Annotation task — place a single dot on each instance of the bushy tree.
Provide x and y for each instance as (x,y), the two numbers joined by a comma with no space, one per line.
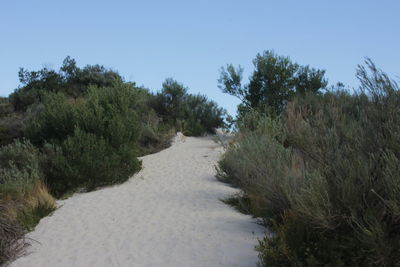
(274,81)
(169,102)
(191,114)
(77,80)
(70,80)
(90,141)
(202,115)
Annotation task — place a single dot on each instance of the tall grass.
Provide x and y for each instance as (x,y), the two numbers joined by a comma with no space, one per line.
(24,199)
(12,240)
(325,176)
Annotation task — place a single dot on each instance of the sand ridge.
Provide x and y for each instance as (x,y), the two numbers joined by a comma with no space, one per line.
(169,214)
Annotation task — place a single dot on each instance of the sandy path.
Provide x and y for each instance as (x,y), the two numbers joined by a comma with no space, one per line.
(169,214)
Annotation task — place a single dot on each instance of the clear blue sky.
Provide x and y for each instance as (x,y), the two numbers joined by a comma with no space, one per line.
(148,41)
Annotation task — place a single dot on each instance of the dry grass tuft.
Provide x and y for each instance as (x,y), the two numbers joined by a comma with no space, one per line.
(12,240)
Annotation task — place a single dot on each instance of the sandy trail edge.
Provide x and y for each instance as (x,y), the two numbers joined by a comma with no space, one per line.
(169,214)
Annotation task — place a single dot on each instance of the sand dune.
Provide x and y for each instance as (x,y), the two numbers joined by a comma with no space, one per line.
(169,214)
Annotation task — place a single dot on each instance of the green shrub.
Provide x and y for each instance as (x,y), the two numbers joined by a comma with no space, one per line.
(69,80)
(24,199)
(56,120)
(295,243)
(12,126)
(21,176)
(194,115)
(5,107)
(327,172)
(19,169)
(91,141)
(85,160)
(202,115)
(260,165)
(192,127)
(154,135)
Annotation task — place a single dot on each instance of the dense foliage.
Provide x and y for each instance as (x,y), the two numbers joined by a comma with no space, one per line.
(23,197)
(90,125)
(70,80)
(82,128)
(324,176)
(274,81)
(191,114)
(12,123)
(92,141)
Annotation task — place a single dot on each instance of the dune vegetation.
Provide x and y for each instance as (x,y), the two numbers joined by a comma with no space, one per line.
(318,164)
(78,129)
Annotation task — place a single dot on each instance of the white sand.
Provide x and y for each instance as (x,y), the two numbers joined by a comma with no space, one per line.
(169,214)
